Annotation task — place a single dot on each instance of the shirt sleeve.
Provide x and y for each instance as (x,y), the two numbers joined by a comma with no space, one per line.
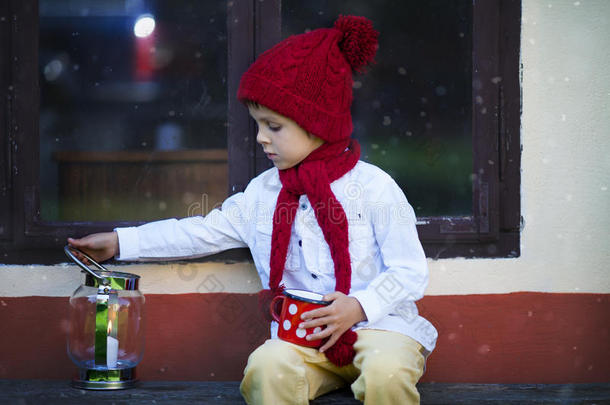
(197,236)
(404,277)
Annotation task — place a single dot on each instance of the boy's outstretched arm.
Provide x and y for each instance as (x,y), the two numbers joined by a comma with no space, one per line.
(171,239)
(100,246)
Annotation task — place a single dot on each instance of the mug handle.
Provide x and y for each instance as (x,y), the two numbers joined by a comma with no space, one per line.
(273,306)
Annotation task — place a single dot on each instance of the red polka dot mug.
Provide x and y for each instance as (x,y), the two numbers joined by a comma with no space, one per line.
(294,304)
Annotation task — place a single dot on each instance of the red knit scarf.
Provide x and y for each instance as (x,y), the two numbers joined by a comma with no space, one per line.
(312,177)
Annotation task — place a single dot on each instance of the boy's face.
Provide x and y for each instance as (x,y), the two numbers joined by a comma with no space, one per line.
(282,139)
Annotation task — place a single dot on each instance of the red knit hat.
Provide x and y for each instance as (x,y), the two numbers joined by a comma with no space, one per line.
(308,77)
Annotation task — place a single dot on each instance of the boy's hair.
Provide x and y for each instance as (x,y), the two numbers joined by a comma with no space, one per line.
(308,77)
(252,104)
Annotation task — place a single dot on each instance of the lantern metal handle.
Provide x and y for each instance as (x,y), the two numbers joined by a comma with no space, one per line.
(84,266)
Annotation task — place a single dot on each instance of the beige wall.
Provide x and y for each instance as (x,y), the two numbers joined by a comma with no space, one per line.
(565,179)
(565,54)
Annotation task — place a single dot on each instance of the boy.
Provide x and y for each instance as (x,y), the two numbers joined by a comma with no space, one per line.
(320,220)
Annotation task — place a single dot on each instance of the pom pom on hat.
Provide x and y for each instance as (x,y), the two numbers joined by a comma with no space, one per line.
(359,43)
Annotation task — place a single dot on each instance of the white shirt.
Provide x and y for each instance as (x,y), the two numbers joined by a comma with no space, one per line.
(389,267)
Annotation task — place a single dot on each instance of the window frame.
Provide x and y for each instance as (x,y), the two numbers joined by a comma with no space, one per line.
(252,27)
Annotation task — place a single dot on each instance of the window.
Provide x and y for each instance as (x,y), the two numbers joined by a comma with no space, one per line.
(434,113)
(116,126)
(131,131)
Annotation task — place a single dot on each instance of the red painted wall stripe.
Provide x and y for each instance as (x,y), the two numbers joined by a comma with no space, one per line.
(499,338)
(520,338)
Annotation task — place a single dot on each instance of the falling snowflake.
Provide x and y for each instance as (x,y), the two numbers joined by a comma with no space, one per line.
(496,79)
(440,90)
(484,349)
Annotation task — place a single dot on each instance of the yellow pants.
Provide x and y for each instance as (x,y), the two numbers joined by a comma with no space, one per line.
(385,370)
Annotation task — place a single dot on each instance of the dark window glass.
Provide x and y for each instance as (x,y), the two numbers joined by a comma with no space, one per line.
(412,110)
(132,119)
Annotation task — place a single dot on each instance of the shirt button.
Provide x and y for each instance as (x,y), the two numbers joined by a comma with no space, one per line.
(303,207)
(300,243)
(314,276)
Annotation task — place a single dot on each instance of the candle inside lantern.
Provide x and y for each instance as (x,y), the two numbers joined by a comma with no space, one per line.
(112,348)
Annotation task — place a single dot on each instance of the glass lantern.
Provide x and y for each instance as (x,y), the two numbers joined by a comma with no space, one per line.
(106,333)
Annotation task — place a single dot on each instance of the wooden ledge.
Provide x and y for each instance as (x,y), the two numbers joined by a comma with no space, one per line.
(123,156)
(59,392)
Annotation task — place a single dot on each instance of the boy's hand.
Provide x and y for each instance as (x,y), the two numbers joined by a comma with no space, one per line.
(100,246)
(342,314)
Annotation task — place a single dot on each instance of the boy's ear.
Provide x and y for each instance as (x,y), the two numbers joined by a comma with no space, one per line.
(312,136)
